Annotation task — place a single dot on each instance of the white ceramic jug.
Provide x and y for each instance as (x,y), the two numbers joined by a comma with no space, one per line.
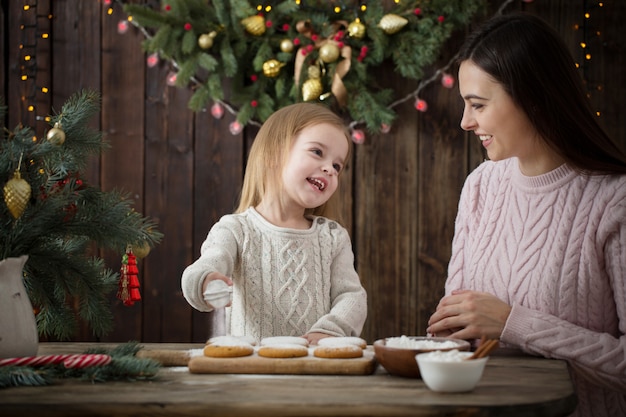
(18,328)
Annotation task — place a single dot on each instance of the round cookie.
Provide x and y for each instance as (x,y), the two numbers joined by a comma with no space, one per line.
(232,340)
(338,352)
(285,350)
(281,340)
(228,349)
(343,341)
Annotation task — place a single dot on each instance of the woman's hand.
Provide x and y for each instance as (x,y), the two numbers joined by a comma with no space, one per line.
(469,315)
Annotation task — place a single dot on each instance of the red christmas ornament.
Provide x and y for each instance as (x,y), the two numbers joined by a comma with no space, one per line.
(128,290)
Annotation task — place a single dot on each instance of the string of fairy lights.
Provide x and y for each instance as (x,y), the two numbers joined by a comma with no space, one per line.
(35,25)
(34,86)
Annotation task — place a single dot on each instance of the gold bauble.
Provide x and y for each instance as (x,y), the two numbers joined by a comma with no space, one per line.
(356,29)
(392,23)
(271,68)
(205,41)
(141,250)
(56,135)
(329,52)
(255,25)
(312,89)
(314,72)
(286,45)
(16,194)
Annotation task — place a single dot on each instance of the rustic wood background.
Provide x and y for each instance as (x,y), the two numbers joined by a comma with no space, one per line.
(399,193)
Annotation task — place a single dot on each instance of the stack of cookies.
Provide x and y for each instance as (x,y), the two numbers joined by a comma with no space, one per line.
(285,347)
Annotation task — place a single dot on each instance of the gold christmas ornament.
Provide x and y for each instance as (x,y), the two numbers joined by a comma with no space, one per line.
(16,194)
(392,23)
(205,41)
(312,88)
(254,25)
(356,29)
(286,45)
(56,135)
(271,68)
(329,52)
(141,250)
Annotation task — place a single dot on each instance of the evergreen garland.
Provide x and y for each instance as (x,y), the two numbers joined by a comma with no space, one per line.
(124,365)
(63,219)
(265,49)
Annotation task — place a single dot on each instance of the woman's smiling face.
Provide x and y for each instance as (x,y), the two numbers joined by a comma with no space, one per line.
(503,128)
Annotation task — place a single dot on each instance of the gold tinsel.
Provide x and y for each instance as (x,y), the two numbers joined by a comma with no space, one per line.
(16,194)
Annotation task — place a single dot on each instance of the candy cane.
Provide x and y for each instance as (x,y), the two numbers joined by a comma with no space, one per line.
(83,361)
(70,361)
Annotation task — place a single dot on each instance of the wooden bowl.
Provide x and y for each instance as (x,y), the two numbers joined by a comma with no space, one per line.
(401,361)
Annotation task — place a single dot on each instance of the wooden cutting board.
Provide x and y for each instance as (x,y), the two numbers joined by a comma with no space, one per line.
(307,365)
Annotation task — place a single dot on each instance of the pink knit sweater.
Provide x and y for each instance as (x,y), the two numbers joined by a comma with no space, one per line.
(554,248)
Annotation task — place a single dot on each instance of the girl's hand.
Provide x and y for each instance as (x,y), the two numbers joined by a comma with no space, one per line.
(469,315)
(315,337)
(217,290)
(213,276)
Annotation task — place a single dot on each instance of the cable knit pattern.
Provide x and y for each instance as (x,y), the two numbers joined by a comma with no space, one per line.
(554,248)
(286,282)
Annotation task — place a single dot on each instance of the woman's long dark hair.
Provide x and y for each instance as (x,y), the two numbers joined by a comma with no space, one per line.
(534,66)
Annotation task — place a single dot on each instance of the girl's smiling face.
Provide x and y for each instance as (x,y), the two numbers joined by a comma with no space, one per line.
(310,175)
(503,128)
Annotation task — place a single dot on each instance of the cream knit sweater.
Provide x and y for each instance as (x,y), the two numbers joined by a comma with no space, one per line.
(286,282)
(554,248)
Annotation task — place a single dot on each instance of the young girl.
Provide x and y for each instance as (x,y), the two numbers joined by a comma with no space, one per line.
(291,268)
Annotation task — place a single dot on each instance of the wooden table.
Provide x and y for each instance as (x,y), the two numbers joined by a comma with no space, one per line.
(512,385)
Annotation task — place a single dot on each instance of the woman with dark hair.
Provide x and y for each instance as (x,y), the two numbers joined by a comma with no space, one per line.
(539,253)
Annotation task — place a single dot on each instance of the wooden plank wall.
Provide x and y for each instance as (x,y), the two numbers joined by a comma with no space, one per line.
(399,193)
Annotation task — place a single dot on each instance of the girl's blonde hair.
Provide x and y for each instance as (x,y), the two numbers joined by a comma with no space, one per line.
(271,148)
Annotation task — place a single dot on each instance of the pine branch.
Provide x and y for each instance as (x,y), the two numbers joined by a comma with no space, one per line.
(66,219)
(124,365)
(241,49)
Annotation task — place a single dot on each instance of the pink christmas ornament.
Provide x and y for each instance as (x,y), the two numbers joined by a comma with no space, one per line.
(358,136)
(122,27)
(385,128)
(217,110)
(421,105)
(447,80)
(235,128)
(152,60)
(171,79)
